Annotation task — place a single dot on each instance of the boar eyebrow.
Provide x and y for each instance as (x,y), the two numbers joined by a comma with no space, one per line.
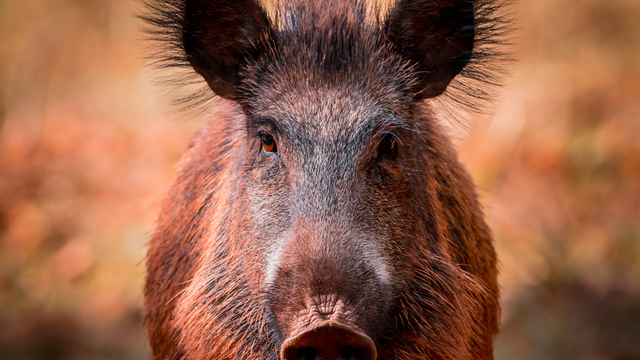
(266,122)
(392,120)
(386,123)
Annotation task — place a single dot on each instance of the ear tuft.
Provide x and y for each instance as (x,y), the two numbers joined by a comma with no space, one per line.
(219,37)
(437,36)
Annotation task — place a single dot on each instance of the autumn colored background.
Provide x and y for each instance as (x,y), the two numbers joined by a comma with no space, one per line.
(89,144)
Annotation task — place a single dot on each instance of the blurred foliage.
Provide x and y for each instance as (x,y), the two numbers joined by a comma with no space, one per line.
(86,153)
(88,147)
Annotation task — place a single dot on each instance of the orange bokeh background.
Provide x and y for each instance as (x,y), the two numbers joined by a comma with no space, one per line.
(89,144)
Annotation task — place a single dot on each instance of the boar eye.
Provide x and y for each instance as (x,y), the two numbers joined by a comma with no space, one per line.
(268,143)
(388,146)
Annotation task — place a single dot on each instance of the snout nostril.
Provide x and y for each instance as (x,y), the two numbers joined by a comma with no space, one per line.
(307,353)
(329,341)
(350,353)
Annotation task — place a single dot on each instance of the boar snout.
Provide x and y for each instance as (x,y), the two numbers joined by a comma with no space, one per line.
(328,341)
(325,275)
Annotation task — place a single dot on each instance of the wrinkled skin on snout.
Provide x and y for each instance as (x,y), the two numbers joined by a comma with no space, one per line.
(320,211)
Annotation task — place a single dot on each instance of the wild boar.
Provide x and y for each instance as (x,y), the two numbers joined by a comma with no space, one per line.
(320,212)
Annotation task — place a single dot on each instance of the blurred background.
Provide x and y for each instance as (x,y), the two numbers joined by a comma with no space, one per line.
(89,145)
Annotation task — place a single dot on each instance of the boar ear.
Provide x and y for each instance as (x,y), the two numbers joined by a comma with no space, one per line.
(219,37)
(437,36)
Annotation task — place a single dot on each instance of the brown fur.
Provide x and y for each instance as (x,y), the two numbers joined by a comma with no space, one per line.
(251,246)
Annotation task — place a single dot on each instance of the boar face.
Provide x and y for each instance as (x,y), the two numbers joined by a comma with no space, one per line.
(320,213)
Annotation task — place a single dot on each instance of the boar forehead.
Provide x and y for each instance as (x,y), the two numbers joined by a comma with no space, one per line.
(327,136)
(335,118)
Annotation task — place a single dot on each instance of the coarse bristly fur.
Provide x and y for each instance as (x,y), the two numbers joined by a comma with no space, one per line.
(362,214)
(471,91)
